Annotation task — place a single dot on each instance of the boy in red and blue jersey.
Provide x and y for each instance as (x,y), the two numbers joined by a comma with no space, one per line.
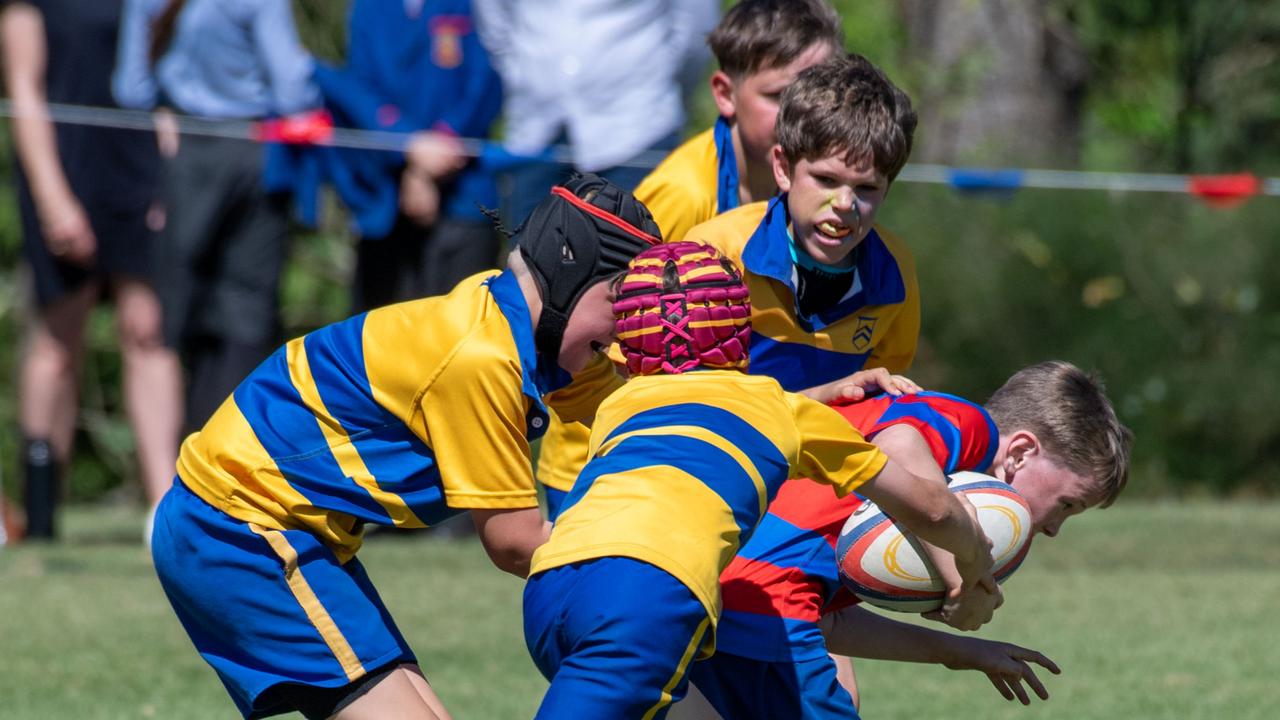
(1054,437)
(803,522)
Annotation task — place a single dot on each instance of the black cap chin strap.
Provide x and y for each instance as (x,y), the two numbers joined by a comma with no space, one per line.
(549,335)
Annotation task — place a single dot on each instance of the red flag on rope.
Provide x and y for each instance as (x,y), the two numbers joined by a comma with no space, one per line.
(309,128)
(1224,191)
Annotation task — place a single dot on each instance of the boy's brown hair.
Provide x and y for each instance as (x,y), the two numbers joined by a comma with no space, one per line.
(758,35)
(847,106)
(1070,414)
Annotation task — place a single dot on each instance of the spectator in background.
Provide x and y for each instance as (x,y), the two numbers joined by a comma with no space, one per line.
(83,195)
(605,76)
(414,68)
(427,65)
(225,243)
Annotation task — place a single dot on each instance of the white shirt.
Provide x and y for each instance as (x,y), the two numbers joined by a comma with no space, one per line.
(228,59)
(608,73)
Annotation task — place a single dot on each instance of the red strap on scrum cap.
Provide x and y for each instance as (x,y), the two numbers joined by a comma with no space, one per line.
(605,215)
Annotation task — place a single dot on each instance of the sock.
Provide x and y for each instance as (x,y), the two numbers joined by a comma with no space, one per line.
(41,490)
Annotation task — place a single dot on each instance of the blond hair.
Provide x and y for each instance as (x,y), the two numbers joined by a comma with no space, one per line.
(1070,414)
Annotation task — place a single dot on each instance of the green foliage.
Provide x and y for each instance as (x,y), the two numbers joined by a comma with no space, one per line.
(1182,85)
(1131,601)
(1171,301)
(322,27)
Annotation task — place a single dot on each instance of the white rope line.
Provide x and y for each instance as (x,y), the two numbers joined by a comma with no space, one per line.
(964,178)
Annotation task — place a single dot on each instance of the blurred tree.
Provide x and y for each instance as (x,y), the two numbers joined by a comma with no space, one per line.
(1182,85)
(1005,85)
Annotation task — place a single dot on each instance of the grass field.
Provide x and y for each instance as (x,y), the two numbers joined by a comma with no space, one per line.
(1152,610)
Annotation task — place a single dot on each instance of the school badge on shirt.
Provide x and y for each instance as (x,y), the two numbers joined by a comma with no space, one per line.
(864,332)
(446,40)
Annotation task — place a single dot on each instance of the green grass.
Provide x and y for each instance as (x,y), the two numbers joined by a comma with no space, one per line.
(1148,611)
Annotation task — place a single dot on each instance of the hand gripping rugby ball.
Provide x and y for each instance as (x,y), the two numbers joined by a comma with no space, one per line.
(883,566)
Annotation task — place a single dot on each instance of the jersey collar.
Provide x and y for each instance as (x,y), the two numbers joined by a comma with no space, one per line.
(537,378)
(727,197)
(768,253)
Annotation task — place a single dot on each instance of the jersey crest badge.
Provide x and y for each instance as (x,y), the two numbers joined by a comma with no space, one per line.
(446,41)
(864,332)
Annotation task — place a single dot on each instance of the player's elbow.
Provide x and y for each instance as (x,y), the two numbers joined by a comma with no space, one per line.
(510,559)
(510,537)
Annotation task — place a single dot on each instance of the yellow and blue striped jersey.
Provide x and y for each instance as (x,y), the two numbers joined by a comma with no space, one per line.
(877,324)
(401,416)
(696,182)
(683,467)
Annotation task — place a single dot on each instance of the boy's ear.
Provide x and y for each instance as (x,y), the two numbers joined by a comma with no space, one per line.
(781,168)
(723,92)
(1022,445)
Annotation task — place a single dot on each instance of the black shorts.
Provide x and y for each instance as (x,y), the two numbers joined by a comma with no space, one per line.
(125,249)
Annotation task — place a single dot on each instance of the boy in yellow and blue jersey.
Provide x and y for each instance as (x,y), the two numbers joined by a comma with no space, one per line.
(402,416)
(824,308)
(685,458)
(760,46)
(831,293)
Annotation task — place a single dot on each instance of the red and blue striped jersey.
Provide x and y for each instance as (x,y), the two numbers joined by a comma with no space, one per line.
(783,578)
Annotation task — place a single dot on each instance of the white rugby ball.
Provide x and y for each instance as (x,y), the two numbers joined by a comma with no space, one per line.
(884,566)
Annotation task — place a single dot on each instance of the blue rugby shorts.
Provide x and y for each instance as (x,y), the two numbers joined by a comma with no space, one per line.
(266,607)
(615,636)
(741,688)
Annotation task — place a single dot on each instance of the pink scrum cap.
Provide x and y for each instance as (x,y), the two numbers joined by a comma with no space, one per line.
(682,306)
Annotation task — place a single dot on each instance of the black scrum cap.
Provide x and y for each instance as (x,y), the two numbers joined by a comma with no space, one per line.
(585,231)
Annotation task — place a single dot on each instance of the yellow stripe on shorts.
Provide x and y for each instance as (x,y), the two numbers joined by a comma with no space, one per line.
(306,597)
(689,652)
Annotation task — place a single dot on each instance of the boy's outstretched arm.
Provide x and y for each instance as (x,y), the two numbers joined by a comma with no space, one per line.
(930,512)
(858,632)
(965,608)
(511,536)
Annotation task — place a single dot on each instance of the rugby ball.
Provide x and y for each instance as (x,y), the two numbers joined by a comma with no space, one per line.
(883,565)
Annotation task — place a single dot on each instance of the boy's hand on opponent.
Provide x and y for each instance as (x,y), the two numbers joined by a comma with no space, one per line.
(1006,665)
(859,385)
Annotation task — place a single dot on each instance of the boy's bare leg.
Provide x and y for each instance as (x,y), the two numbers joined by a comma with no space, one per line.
(845,676)
(694,706)
(404,693)
(50,370)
